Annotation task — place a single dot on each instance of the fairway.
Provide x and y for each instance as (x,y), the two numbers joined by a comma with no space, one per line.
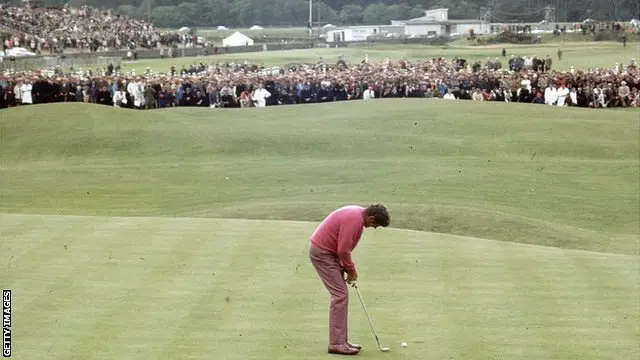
(582,56)
(157,288)
(183,233)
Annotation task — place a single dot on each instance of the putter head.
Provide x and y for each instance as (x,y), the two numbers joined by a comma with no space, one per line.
(384,349)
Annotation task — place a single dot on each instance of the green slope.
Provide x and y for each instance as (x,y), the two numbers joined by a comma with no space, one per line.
(193,288)
(540,175)
(111,237)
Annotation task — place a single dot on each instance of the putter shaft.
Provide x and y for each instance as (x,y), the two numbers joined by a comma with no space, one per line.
(383,349)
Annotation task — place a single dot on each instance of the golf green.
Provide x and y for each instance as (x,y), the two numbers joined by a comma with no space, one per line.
(183,233)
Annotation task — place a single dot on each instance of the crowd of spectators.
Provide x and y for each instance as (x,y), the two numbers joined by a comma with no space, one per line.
(249,85)
(62,28)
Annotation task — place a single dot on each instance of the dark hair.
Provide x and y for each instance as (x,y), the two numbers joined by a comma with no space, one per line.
(380,214)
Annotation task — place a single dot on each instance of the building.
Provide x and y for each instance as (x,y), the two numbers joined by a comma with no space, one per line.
(436,22)
(434,15)
(362,33)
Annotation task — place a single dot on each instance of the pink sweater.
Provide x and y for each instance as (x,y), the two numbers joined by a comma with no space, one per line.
(340,232)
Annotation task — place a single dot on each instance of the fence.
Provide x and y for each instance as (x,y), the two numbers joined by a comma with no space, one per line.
(84,60)
(48,62)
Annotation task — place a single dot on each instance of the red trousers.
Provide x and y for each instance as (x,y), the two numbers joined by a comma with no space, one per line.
(328,267)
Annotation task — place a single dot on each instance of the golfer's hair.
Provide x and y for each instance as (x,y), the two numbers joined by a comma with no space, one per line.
(380,214)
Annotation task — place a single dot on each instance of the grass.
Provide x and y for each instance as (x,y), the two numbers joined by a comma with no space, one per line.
(543,177)
(167,288)
(265,35)
(579,55)
(183,233)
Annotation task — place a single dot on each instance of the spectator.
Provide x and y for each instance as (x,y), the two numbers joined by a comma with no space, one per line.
(246,85)
(55,29)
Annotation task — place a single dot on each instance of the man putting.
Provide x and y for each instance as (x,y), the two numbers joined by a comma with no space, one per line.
(330,253)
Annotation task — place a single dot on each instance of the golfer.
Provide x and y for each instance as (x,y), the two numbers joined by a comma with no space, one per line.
(330,253)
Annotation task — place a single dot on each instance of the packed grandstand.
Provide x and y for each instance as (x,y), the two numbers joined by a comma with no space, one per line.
(244,85)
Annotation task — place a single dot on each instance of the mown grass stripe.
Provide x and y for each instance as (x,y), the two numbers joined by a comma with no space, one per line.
(22,235)
(614,288)
(446,296)
(177,274)
(199,328)
(575,324)
(68,290)
(48,270)
(297,318)
(533,272)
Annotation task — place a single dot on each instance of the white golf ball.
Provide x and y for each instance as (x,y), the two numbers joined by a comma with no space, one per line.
(404,344)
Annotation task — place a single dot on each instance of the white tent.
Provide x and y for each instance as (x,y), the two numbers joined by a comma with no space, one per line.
(16,52)
(184,29)
(237,39)
(256,27)
(222,27)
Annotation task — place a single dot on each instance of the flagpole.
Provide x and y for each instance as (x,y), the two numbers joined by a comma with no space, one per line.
(310,17)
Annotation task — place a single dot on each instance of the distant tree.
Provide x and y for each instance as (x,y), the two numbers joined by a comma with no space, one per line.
(416,11)
(374,13)
(396,12)
(351,14)
(245,13)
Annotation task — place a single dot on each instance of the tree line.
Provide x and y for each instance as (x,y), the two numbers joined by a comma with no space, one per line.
(282,13)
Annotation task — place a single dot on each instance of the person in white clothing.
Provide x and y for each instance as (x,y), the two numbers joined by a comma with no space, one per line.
(449,96)
(26,90)
(17,92)
(139,100)
(525,83)
(477,96)
(573,95)
(600,98)
(368,94)
(119,98)
(131,89)
(550,95)
(134,89)
(562,93)
(260,96)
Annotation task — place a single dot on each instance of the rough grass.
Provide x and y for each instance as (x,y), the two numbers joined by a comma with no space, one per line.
(579,55)
(112,239)
(559,177)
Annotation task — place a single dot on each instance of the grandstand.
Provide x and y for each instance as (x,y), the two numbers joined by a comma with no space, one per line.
(68,29)
(62,29)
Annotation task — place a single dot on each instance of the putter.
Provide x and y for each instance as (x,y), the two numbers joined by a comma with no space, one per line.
(383,349)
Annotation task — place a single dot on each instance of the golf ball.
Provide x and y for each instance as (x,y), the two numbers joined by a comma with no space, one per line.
(404,344)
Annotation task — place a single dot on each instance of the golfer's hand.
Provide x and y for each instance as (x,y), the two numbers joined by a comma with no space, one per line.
(352,276)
